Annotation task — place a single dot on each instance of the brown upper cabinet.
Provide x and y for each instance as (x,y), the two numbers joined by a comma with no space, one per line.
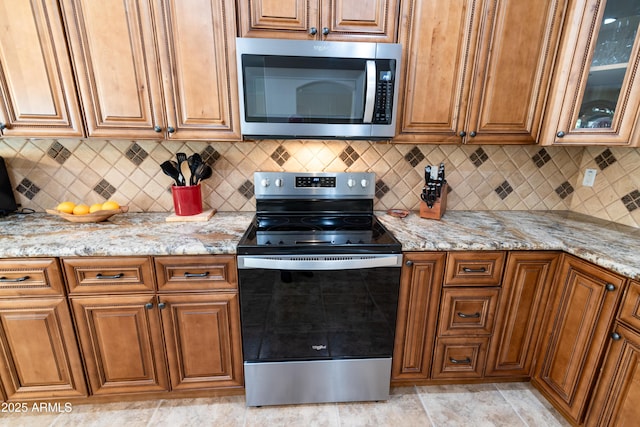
(595,98)
(158,69)
(476,71)
(37,90)
(363,20)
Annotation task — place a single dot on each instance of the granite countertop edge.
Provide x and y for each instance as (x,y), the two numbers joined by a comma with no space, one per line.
(604,243)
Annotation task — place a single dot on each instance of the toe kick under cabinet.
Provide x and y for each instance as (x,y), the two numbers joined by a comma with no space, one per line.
(153,324)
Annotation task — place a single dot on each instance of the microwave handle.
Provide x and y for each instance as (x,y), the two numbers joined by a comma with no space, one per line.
(370,96)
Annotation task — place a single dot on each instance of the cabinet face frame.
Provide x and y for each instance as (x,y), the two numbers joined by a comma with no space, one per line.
(37,76)
(570,80)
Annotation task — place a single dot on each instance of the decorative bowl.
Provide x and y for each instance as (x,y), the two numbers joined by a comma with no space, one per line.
(96,216)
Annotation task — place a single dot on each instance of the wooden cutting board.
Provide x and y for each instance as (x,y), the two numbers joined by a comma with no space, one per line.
(201,217)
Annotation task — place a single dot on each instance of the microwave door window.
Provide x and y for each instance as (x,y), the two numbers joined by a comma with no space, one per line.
(307,90)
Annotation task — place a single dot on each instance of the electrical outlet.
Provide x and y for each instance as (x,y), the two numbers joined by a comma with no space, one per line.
(589,177)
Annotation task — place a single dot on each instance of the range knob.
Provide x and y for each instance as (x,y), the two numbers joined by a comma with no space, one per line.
(351,182)
(364,183)
(279,182)
(265,182)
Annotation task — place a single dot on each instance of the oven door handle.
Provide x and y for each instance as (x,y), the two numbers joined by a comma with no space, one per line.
(311,262)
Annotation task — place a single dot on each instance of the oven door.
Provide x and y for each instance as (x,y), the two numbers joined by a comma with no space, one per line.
(318,307)
(318,328)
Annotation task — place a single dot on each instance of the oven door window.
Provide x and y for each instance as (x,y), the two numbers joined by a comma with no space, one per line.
(304,90)
(314,315)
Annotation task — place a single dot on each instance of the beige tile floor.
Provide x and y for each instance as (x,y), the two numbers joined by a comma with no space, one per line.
(506,404)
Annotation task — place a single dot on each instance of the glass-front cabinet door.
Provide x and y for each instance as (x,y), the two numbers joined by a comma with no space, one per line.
(596,90)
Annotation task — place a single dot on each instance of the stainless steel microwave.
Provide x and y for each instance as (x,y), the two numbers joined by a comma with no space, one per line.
(316,89)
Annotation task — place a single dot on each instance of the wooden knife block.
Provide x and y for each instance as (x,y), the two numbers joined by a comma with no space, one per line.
(439,206)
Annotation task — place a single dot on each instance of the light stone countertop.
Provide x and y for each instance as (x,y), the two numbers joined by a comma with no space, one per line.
(604,243)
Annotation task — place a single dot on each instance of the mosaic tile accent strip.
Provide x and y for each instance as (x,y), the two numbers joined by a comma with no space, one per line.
(564,190)
(605,159)
(105,189)
(478,157)
(280,155)
(210,156)
(504,190)
(246,189)
(349,156)
(632,200)
(381,189)
(136,154)
(541,158)
(414,157)
(58,152)
(28,188)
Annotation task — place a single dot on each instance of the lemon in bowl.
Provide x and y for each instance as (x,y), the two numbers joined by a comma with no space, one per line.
(110,205)
(66,207)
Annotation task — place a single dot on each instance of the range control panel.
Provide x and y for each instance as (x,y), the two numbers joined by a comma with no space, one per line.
(321,185)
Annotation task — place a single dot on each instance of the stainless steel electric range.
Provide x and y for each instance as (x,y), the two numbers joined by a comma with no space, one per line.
(319,277)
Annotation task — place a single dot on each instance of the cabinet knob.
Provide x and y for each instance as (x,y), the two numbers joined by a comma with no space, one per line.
(325,31)
(157,129)
(615,336)
(171,129)
(3,126)
(148,305)
(472,133)
(610,287)
(560,134)
(462,134)
(409,263)
(161,305)
(313,31)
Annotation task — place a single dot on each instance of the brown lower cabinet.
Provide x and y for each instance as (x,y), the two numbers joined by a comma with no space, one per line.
(184,336)
(579,318)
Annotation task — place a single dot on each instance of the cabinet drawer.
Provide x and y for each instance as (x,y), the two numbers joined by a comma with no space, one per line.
(468,311)
(461,357)
(196,273)
(474,268)
(30,276)
(630,309)
(109,275)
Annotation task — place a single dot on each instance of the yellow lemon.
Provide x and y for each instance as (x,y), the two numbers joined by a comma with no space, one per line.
(110,205)
(95,207)
(66,207)
(81,209)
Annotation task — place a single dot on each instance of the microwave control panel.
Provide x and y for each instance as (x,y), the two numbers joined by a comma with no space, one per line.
(384,92)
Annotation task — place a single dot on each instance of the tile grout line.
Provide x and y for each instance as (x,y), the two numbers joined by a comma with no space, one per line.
(511,405)
(424,406)
(155,411)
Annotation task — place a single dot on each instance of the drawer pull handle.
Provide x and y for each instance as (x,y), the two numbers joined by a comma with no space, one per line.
(464,361)
(205,274)
(474,270)
(101,276)
(17,279)
(469,316)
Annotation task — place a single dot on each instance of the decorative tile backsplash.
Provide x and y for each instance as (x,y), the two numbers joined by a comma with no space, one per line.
(45,171)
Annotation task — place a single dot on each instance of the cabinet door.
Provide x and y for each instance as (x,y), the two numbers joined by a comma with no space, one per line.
(596,90)
(525,291)
(199,68)
(364,20)
(512,72)
(420,285)
(121,340)
(37,89)
(439,46)
(290,19)
(579,319)
(615,402)
(202,335)
(115,58)
(39,357)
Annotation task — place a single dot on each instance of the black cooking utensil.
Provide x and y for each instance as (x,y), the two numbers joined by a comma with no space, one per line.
(170,168)
(206,172)
(194,161)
